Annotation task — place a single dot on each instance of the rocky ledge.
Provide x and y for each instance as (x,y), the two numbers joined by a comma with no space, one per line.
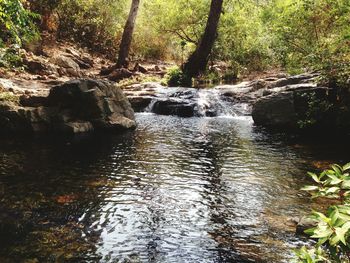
(304,108)
(77,106)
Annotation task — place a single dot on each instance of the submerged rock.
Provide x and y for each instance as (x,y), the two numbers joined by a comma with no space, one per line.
(73,107)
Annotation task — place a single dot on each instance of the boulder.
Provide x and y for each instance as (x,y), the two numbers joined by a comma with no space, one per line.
(140,103)
(284,110)
(139,68)
(108,70)
(99,102)
(67,66)
(174,107)
(76,106)
(119,74)
(32,100)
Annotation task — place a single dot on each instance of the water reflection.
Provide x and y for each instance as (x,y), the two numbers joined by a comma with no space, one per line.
(175,190)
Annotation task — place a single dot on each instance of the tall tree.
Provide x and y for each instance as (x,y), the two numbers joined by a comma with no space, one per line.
(198,61)
(127,34)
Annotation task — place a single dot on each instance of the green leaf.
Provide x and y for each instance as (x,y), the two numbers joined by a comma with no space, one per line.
(321,217)
(322,233)
(310,231)
(310,188)
(340,235)
(346,167)
(346,184)
(314,177)
(334,216)
(337,168)
(332,190)
(334,179)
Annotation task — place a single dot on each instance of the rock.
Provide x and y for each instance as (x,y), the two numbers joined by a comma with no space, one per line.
(81,63)
(73,52)
(174,107)
(87,60)
(283,110)
(119,74)
(297,79)
(101,103)
(68,66)
(147,86)
(108,70)
(139,68)
(34,67)
(305,223)
(32,101)
(77,127)
(76,106)
(140,103)
(17,119)
(38,65)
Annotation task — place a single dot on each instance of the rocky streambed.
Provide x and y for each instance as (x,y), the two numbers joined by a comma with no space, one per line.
(285,103)
(199,187)
(281,102)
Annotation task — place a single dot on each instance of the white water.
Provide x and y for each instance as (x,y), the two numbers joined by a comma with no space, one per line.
(210,103)
(207,102)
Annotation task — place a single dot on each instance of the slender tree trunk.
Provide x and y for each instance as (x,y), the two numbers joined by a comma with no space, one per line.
(127,34)
(198,61)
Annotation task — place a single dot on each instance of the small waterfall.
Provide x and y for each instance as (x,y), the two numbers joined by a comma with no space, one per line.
(188,102)
(210,104)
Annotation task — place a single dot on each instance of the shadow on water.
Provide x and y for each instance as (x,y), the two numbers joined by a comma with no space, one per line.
(174,190)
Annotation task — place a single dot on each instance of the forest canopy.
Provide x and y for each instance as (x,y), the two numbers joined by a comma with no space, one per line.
(253,35)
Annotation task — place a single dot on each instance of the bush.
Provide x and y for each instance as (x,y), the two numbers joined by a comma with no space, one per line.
(332,230)
(16,23)
(10,57)
(312,35)
(176,78)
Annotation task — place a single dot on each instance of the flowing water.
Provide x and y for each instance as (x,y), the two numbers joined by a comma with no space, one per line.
(174,190)
(205,102)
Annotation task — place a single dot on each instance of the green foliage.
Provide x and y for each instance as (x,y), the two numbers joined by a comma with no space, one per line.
(8,96)
(10,57)
(332,183)
(16,23)
(316,110)
(311,34)
(175,78)
(253,35)
(313,255)
(332,230)
(97,24)
(243,38)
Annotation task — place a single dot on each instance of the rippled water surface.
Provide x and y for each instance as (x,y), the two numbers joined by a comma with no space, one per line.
(174,190)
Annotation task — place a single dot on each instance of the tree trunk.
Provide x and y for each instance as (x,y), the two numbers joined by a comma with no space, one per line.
(127,34)
(198,61)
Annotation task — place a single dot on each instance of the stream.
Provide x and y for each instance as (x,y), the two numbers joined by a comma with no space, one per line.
(199,189)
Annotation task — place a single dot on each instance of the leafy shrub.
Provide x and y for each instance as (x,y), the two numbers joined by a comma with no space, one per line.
(8,96)
(332,230)
(95,24)
(16,23)
(175,78)
(10,57)
(312,35)
(316,110)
